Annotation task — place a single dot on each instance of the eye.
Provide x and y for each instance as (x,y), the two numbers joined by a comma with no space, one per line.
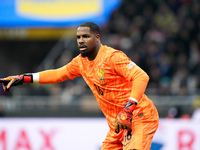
(85,36)
(78,37)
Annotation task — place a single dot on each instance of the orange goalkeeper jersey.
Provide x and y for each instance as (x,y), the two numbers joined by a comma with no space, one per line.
(111,76)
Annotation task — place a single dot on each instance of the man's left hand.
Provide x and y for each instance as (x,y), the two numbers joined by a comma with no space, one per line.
(124,118)
(123,121)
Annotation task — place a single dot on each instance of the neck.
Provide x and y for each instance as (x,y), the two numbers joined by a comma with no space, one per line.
(93,55)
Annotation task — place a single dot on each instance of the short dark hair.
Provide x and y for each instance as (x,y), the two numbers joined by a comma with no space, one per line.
(93,26)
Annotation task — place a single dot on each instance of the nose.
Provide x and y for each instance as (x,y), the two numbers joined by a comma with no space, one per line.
(80,40)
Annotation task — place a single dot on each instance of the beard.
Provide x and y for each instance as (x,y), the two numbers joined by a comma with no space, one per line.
(85,54)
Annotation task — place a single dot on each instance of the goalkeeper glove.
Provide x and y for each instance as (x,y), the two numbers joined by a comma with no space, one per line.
(10,81)
(124,118)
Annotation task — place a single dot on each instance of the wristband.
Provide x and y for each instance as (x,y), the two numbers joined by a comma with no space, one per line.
(28,78)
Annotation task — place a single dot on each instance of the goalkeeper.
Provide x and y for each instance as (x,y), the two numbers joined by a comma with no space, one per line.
(117,83)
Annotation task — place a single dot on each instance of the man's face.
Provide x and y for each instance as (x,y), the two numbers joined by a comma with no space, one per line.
(86,40)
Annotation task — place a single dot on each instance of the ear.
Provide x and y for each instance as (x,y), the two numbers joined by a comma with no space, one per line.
(97,37)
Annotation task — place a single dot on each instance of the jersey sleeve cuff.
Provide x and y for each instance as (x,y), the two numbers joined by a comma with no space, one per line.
(36,77)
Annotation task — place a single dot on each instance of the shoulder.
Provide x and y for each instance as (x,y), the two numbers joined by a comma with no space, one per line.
(77,58)
(112,52)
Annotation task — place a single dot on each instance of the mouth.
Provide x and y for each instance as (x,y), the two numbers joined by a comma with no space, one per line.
(82,48)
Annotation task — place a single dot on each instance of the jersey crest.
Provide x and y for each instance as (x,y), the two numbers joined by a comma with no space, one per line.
(101,74)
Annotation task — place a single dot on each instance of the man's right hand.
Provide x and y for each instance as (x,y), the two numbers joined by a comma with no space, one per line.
(10,81)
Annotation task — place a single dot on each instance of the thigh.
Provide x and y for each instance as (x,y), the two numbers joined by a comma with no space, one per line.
(141,136)
(144,127)
(113,141)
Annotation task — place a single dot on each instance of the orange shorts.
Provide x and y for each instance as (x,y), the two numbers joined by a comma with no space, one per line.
(143,130)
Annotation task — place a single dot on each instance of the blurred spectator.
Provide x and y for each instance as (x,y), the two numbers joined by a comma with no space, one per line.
(196,107)
(165,19)
(173,112)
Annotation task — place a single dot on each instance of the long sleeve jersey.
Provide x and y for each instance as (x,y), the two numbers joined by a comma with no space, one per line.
(112,77)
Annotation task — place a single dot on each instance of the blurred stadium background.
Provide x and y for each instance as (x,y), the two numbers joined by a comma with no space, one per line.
(161,36)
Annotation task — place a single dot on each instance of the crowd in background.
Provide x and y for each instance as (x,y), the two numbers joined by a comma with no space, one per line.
(161,36)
